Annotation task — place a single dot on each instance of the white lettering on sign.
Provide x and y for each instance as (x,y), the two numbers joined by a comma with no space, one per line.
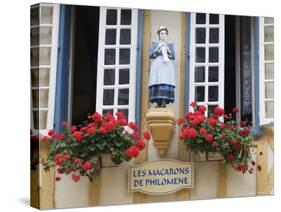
(161,177)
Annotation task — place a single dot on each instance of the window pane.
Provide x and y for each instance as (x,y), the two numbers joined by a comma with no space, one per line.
(46,15)
(214,19)
(211,109)
(200,18)
(107,111)
(214,35)
(268,20)
(34,16)
(109,77)
(125,36)
(213,54)
(200,35)
(269,90)
(269,69)
(268,33)
(45,35)
(40,119)
(111,17)
(109,56)
(200,74)
(40,77)
(108,97)
(40,98)
(44,56)
(124,76)
(269,51)
(213,93)
(213,74)
(269,109)
(126,17)
(124,56)
(125,112)
(123,96)
(200,55)
(34,36)
(199,93)
(110,37)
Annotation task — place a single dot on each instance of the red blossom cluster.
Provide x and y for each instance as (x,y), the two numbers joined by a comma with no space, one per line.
(77,148)
(218,133)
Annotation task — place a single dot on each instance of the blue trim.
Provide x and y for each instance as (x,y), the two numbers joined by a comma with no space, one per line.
(187,64)
(62,78)
(139,66)
(257,77)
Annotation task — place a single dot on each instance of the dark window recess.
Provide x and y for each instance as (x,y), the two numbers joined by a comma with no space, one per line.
(246,68)
(229,73)
(85,63)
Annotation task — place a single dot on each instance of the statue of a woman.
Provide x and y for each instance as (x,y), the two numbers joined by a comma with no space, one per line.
(162,74)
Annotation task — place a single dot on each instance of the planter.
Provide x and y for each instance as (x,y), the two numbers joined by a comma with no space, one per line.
(206,156)
(106,161)
(161,123)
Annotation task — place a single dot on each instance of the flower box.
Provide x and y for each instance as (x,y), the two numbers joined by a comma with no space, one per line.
(206,156)
(106,161)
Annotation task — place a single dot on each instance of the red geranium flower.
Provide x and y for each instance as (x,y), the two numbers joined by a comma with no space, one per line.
(44,138)
(180,121)
(102,130)
(87,166)
(189,132)
(235,110)
(77,160)
(140,144)
(219,111)
(60,171)
(203,131)
(66,157)
(229,157)
(133,126)
(58,179)
(202,108)
(146,135)
(193,104)
(96,117)
(215,144)
(64,123)
(75,177)
(132,152)
(209,137)
(51,132)
(91,130)
(78,136)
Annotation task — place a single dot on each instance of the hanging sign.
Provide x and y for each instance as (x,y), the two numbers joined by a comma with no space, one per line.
(161,177)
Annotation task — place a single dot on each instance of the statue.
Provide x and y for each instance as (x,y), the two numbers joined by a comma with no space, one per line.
(162,74)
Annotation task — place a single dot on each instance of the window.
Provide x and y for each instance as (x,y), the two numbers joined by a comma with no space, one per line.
(44,35)
(207,60)
(117,61)
(266,35)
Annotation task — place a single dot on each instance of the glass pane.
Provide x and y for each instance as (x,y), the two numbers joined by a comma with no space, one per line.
(34,36)
(125,36)
(213,74)
(109,77)
(213,93)
(199,93)
(109,56)
(45,55)
(108,96)
(126,17)
(40,119)
(123,96)
(40,98)
(268,33)
(214,19)
(213,54)
(200,18)
(200,74)
(200,55)
(125,112)
(269,109)
(211,109)
(269,90)
(110,37)
(200,35)
(269,69)
(46,15)
(124,56)
(269,52)
(45,35)
(107,111)
(214,35)
(111,17)
(34,16)
(268,20)
(34,56)
(124,76)
(40,77)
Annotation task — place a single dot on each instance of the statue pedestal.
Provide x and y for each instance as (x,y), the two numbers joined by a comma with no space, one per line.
(161,123)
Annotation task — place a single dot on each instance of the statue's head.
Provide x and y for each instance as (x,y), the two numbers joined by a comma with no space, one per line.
(162,33)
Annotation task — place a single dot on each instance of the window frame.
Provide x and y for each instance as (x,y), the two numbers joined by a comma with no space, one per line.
(132,66)
(262,80)
(220,62)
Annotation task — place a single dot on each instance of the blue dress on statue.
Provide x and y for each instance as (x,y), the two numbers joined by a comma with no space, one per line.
(162,75)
